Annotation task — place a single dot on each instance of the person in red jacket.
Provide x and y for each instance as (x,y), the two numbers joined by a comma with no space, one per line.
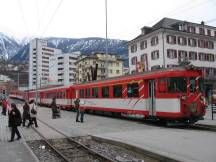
(4,106)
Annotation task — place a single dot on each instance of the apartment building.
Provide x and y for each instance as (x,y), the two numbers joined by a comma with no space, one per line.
(171,41)
(62,68)
(39,55)
(109,65)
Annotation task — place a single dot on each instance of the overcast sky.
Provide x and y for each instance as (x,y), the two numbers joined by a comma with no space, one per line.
(86,18)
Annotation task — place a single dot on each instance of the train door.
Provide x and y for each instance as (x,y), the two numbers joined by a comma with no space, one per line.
(151,99)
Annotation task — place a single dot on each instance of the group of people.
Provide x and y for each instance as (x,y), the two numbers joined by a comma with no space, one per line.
(79,109)
(15,118)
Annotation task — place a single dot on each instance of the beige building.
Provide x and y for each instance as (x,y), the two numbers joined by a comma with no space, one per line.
(113,63)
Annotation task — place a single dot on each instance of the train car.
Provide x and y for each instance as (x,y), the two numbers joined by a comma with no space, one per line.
(17,94)
(63,95)
(172,95)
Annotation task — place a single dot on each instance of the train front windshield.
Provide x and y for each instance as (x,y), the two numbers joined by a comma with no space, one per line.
(177,85)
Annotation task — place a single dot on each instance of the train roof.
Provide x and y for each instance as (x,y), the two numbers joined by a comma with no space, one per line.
(131,76)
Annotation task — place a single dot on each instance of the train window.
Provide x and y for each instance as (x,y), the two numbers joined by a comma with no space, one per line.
(81,93)
(105,92)
(201,84)
(192,85)
(87,92)
(133,90)
(95,92)
(177,85)
(117,91)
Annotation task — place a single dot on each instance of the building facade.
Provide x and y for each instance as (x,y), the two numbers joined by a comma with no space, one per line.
(170,42)
(39,54)
(109,65)
(62,68)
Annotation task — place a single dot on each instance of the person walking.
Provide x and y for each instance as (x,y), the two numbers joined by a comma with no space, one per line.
(82,111)
(15,120)
(54,108)
(77,105)
(26,113)
(33,113)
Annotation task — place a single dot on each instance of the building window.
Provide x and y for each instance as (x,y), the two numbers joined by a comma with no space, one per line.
(60,80)
(110,71)
(143,57)
(95,92)
(192,42)
(201,31)
(105,92)
(133,48)
(60,63)
(192,55)
(182,54)
(134,60)
(171,65)
(171,39)
(155,67)
(59,58)
(155,55)
(215,33)
(143,45)
(182,41)
(202,56)
(117,91)
(201,43)
(209,44)
(117,71)
(154,41)
(133,90)
(208,32)
(171,53)
(191,29)
(210,57)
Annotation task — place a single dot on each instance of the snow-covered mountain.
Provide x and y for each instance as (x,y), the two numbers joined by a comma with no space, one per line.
(18,51)
(8,47)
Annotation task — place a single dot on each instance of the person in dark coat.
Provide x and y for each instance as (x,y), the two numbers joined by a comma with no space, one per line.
(77,105)
(26,113)
(4,106)
(15,120)
(54,107)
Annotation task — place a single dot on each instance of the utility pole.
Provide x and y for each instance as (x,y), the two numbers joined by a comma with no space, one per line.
(106,61)
(18,80)
(37,70)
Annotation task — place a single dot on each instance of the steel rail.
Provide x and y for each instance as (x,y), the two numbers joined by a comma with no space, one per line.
(107,159)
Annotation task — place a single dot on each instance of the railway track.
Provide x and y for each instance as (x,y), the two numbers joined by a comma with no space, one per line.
(71,150)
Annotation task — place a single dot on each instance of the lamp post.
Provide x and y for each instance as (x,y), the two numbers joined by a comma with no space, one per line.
(106,59)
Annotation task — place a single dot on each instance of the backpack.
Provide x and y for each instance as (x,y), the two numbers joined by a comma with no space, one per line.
(33,111)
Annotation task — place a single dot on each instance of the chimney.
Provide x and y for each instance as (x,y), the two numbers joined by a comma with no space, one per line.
(202,23)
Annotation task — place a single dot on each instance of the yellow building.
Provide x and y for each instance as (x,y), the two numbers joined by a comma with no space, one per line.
(112,62)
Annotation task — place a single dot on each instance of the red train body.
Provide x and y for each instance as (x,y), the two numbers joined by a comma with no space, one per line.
(171,95)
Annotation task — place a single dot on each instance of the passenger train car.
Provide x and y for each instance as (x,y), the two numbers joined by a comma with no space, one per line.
(174,95)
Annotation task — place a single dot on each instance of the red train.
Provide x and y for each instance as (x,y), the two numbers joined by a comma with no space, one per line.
(174,95)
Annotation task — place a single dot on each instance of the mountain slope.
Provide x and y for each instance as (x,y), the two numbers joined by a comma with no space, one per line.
(8,47)
(84,45)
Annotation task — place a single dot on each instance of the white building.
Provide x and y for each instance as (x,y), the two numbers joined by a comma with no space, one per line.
(39,55)
(4,78)
(63,69)
(169,41)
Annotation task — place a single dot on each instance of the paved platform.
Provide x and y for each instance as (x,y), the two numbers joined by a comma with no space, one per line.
(208,118)
(16,151)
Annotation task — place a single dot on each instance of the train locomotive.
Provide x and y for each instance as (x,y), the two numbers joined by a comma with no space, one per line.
(173,95)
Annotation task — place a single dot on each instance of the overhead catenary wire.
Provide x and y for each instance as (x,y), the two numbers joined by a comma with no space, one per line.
(180,9)
(23,17)
(52,17)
